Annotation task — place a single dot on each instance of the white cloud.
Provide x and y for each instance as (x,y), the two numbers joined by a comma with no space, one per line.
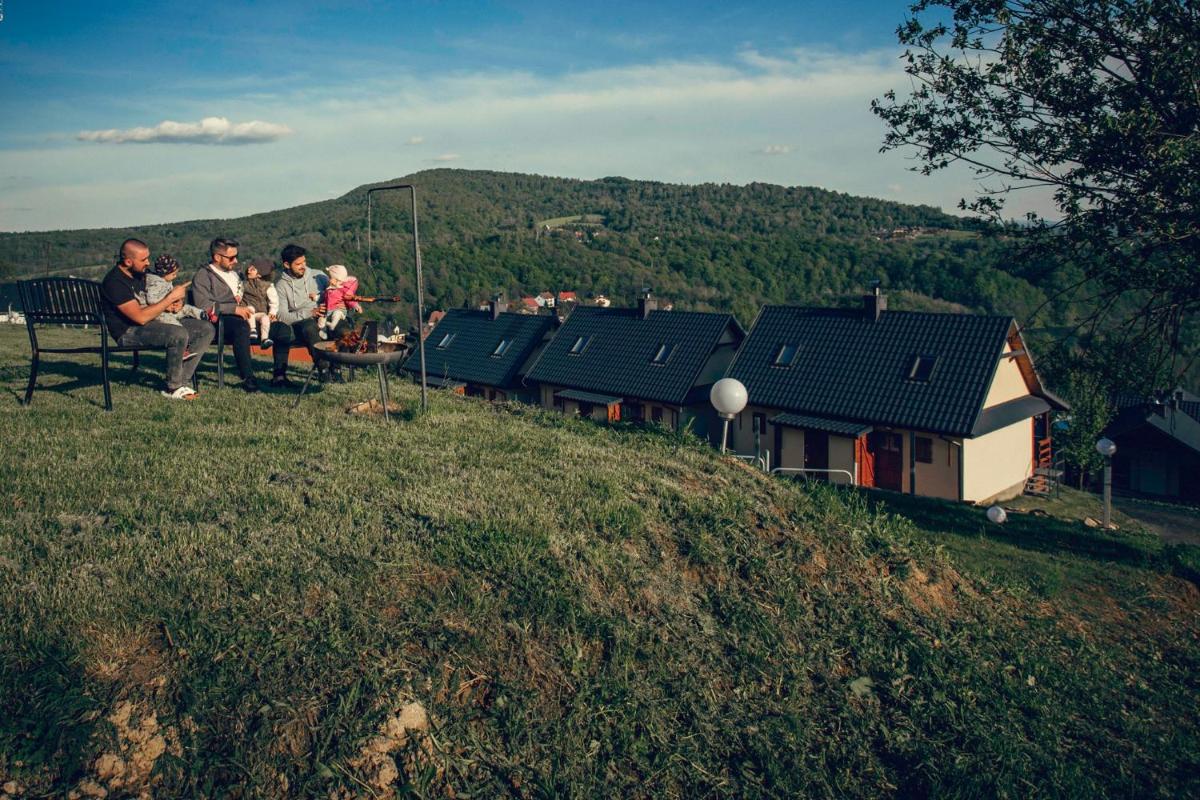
(447,157)
(210,130)
(415,140)
(776,150)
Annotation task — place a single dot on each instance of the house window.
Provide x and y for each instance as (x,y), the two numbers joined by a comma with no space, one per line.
(662,354)
(580,345)
(924,450)
(585,409)
(760,423)
(786,355)
(445,342)
(559,405)
(502,348)
(921,368)
(632,412)
(656,414)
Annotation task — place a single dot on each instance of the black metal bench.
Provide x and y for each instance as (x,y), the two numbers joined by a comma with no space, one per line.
(68,301)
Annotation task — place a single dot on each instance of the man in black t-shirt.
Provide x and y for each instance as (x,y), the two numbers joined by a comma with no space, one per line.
(133,322)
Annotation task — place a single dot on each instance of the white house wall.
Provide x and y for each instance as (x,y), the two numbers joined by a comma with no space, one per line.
(1008,384)
(995,466)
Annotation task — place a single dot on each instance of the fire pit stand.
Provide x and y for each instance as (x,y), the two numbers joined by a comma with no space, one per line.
(327,351)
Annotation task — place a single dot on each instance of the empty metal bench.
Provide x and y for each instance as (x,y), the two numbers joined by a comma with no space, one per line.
(68,301)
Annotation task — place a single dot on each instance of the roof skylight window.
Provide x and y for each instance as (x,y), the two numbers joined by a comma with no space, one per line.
(502,348)
(580,345)
(786,355)
(445,342)
(662,354)
(921,368)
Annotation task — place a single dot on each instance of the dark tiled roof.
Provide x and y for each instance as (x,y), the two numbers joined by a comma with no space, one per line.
(589,397)
(469,356)
(1176,424)
(849,367)
(617,359)
(834,426)
(1189,407)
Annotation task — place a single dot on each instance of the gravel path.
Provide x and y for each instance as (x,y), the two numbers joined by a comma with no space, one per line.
(1172,523)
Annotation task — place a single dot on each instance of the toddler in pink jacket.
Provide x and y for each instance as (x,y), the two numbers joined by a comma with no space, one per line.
(337,302)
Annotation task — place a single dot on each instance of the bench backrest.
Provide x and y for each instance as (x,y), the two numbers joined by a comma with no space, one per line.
(67,301)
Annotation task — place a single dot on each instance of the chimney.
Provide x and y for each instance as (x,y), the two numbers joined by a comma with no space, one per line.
(875,303)
(497,306)
(646,303)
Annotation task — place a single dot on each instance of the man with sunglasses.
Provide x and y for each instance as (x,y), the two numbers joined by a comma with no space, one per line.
(217,289)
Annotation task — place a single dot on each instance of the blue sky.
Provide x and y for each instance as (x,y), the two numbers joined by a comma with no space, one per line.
(129,113)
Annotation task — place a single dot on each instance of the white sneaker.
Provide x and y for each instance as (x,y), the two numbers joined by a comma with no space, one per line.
(182,393)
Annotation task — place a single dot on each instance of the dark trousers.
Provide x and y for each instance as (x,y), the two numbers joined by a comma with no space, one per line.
(237,335)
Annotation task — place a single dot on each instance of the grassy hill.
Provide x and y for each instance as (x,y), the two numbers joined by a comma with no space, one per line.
(231,598)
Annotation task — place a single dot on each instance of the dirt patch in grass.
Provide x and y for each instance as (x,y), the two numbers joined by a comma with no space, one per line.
(928,595)
(128,769)
(294,735)
(376,764)
(133,658)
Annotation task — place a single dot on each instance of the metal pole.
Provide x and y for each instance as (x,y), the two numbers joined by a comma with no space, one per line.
(383,398)
(1107,492)
(724,434)
(420,301)
(420,277)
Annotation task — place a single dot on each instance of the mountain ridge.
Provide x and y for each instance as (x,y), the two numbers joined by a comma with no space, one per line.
(705,246)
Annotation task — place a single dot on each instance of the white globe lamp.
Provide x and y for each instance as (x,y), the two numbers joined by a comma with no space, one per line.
(1106,447)
(728,397)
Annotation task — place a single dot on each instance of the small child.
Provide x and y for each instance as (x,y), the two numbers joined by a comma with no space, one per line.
(160,280)
(338,302)
(259,293)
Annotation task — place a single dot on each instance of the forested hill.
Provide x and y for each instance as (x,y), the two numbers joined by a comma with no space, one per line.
(704,247)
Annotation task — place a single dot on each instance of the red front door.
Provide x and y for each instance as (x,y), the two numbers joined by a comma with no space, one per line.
(887,449)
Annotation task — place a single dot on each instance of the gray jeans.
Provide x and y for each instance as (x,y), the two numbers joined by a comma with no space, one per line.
(190,334)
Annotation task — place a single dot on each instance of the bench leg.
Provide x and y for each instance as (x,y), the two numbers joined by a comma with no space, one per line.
(33,370)
(104,375)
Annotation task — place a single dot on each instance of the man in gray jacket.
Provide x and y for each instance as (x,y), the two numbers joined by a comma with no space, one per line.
(300,304)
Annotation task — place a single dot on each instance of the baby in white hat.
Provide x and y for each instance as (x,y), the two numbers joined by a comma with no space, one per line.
(339,299)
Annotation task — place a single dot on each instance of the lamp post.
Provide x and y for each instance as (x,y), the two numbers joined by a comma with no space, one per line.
(1107,447)
(728,397)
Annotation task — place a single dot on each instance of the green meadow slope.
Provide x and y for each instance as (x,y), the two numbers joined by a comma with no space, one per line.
(231,598)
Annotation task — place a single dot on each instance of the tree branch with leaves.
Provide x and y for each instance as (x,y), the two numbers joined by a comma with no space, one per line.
(1096,101)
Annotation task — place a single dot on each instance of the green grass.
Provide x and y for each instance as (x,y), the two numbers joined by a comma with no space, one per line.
(583,611)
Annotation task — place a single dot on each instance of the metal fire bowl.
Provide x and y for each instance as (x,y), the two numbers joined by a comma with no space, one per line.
(328,351)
